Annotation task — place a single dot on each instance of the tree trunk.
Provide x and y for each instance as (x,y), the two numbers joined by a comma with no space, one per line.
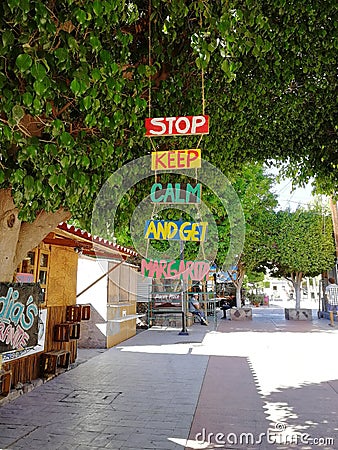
(9,234)
(238,282)
(17,238)
(296,279)
(238,295)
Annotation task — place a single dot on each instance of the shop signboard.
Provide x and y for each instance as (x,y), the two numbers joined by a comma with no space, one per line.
(19,315)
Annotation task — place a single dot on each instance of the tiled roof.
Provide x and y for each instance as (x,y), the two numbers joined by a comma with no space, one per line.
(96,240)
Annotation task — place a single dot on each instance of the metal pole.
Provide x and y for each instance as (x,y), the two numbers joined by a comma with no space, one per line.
(184,331)
(96,281)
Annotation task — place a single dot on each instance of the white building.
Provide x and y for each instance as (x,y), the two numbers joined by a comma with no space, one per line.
(280,289)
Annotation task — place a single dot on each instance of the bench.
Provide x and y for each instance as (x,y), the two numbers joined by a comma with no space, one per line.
(54,360)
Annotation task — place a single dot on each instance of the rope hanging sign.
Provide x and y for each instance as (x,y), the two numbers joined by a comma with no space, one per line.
(167,193)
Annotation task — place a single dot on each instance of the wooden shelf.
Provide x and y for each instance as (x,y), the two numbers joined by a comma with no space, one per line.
(53,360)
(126,318)
(74,313)
(64,332)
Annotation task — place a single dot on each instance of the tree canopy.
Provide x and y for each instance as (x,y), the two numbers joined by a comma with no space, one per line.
(77,79)
(304,245)
(258,202)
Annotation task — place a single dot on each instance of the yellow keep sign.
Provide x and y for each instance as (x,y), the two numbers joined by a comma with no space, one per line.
(176,159)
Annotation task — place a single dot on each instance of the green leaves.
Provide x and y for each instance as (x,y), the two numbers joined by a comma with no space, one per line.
(23,62)
(38,71)
(17,113)
(7,38)
(81,16)
(75,78)
(229,69)
(97,7)
(304,244)
(66,139)
(28,183)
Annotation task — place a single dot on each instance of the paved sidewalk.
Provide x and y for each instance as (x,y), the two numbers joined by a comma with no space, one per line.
(261,384)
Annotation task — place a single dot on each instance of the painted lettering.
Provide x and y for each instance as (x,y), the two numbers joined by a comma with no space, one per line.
(159,124)
(14,311)
(156,188)
(193,193)
(186,128)
(156,160)
(181,125)
(176,159)
(179,193)
(177,269)
(18,316)
(17,338)
(198,122)
(31,313)
(184,231)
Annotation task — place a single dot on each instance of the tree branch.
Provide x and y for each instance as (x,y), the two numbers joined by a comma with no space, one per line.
(31,234)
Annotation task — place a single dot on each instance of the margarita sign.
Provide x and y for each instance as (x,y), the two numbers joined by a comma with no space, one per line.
(177,269)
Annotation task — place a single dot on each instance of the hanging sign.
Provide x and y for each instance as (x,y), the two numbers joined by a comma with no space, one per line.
(177,193)
(176,159)
(181,125)
(167,230)
(184,270)
(19,314)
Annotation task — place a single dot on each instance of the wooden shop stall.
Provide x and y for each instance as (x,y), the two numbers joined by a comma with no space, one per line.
(40,320)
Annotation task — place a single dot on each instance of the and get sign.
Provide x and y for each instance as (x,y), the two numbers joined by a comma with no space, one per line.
(175,230)
(181,125)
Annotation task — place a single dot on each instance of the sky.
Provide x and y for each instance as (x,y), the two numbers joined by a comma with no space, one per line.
(289,198)
(293,199)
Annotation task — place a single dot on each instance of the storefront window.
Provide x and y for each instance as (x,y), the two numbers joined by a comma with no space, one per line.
(34,268)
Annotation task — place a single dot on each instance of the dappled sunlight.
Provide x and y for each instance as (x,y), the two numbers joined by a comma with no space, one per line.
(285,358)
(189,443)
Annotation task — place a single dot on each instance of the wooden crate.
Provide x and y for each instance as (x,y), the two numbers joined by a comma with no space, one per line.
(52,361)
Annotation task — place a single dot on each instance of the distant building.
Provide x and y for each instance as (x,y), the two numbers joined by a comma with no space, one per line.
(282,289)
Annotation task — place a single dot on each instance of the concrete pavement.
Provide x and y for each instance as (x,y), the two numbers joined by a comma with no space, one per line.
(261,384)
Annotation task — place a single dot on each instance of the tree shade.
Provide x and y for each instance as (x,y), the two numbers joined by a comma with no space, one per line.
(75,77)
